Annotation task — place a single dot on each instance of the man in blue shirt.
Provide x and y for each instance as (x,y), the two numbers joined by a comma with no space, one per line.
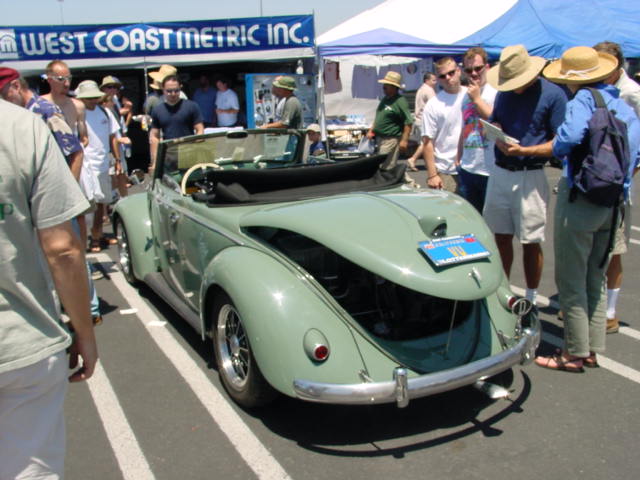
(174,118)
(205,97)
(529,109)
(581,228)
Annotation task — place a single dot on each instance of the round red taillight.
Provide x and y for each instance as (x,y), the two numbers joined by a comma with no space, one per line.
(511,301)
(320,352)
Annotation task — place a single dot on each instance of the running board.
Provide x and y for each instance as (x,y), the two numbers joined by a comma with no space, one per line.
(159,285)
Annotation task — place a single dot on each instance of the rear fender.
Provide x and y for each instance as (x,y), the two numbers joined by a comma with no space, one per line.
(134,212)
(278,307)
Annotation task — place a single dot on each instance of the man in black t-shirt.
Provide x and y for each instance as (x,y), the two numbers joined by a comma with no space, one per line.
(174,117)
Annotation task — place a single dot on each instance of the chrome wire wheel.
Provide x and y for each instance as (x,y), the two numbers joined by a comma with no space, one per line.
(233,347)
(124,252)
(238,369)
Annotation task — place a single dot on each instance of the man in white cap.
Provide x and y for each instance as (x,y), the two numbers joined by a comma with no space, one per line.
(392,125)
(529,109)
(583,226)
(441,126)
(316,145)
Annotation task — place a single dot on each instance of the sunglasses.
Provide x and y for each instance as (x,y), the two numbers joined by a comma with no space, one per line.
(172,90)
(110,87)
(61,78)
(450,73)
(476,69)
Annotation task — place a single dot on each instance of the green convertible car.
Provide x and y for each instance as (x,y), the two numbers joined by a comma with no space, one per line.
(327,281)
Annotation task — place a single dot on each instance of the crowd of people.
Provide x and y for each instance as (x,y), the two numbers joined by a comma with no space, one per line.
(545,111)
(60,176)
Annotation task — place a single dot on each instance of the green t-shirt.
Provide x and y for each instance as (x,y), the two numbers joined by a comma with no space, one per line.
(37,191)
(292,113)
(392,115)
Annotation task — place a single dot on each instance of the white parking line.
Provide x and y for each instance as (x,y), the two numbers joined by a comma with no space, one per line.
(634,241)
(131,460)
(637,229)
(257,457)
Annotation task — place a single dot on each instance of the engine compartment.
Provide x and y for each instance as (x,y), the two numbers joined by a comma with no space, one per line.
(385,309)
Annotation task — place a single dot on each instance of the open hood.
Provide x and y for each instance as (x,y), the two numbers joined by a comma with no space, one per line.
(381,233)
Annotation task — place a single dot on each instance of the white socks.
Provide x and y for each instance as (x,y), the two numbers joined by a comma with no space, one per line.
(531,295)
(612,299)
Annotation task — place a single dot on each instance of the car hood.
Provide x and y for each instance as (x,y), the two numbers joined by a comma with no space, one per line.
(381,231)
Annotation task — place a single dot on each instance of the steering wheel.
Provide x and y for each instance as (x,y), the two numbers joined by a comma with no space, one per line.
(197,166)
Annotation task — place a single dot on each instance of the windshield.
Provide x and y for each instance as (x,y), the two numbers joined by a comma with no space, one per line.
(235,149)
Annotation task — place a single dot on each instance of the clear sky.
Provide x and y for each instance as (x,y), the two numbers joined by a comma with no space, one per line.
(328,13)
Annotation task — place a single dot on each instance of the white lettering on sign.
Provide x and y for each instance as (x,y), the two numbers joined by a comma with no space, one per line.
(53,43)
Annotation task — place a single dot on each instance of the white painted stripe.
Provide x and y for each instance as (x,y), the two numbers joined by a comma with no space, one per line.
(634,241)
(131,460)
(546,302)
(637,229)
(605,362)
(259,459)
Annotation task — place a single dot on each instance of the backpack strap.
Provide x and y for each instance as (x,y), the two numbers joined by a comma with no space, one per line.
(597,97)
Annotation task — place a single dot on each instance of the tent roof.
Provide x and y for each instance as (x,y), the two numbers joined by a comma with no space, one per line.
(548,27)
(383,41)
(434,21)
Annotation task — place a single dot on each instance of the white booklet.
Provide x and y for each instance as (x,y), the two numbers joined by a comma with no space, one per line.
(495,133)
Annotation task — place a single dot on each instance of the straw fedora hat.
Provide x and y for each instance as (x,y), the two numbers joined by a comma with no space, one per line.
(392,78)
(314,127)
(88,89)
(515,69)
(110,80)
(580,65)
(159,75)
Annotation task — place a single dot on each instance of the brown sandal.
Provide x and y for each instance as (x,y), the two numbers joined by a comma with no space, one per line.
(591,361)
(559,362)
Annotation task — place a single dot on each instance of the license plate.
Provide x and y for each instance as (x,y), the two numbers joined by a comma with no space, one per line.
(451,250)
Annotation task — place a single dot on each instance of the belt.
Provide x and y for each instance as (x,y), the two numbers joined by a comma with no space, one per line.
(518,168)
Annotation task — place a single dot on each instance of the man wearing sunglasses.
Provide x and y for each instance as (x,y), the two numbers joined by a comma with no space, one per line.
(59,78)
(175,117)
(441,125)
(475,152)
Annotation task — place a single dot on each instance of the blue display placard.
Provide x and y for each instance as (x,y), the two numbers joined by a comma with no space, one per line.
(149,39)
(451,250)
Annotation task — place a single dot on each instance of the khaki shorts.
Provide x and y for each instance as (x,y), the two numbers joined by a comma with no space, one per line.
(621,242)
(391,147)
(516,203)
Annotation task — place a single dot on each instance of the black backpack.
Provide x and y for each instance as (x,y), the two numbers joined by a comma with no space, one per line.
(601,162)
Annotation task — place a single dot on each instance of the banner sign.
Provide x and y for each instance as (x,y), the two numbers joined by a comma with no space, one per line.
(167,38)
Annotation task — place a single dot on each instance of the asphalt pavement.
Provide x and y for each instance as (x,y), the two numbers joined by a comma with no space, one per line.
(156,409)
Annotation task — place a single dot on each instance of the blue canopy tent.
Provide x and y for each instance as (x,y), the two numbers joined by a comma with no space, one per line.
(549,27)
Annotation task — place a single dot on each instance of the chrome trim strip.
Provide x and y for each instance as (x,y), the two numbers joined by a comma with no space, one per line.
(422,386)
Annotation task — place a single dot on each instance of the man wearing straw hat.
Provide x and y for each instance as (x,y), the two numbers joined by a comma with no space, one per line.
(392,125)
(582,229)
(529,109)
(289,110)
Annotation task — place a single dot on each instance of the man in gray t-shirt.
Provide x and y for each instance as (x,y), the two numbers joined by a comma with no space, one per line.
(291,117)
(38,199)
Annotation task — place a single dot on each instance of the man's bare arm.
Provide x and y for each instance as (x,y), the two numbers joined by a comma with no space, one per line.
(154,140)
(199,128)
(65,257)
(83,135)
(433,179)
(75,163)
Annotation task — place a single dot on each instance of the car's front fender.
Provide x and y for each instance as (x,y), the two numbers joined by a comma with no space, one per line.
(278,307)
(133,211)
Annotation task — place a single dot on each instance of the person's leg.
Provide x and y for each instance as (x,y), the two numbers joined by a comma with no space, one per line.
(505,247)
(532,260)
(411,161)
(32,443)
(96,227)
(390,147)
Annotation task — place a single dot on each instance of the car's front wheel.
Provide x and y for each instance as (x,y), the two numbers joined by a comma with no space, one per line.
(237,366)
(125,261)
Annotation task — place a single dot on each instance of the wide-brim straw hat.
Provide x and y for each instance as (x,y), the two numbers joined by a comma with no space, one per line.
(164,71)
(392,78)
(581,65)
(314,127)
(88,89)
(515,70)
(288,83)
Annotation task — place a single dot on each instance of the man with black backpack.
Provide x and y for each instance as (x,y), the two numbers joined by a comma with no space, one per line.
(599,143)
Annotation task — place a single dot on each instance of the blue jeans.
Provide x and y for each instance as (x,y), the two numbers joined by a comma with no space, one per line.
(472,187)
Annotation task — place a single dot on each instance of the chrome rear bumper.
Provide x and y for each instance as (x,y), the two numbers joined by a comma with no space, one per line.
(402,388)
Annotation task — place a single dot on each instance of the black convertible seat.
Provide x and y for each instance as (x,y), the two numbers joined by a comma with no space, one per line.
(295,183)
(271,179)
